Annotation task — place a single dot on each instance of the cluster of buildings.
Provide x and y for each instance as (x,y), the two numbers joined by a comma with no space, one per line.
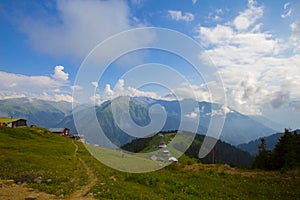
(165,155)
(64,132)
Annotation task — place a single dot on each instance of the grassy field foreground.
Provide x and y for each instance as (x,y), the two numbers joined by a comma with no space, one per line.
(48,162)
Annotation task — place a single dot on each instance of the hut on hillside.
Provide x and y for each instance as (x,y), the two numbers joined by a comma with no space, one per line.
(13,122)
(173,159)
(162,144)
(61,131)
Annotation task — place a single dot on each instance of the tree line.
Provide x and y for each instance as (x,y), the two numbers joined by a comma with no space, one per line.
(286,154)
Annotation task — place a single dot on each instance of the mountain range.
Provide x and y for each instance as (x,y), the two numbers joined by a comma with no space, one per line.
(238,128)
(42,113)
(271,141)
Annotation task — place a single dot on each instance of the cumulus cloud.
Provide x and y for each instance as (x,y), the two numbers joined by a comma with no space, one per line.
(178,15)
(59,74)
(120,90)
(248,17)
(194,114)
(198,92)
(183,91)
(42,87)
(253,63)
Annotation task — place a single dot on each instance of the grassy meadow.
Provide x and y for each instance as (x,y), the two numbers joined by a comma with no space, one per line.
(29,153)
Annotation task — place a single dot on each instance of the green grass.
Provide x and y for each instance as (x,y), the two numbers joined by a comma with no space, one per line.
(27,153)
(6,120)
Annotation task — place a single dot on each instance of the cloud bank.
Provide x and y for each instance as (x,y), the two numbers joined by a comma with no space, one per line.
(55,87)
(256,69)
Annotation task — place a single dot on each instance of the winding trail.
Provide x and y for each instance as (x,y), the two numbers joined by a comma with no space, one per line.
(82,193)
(11,191)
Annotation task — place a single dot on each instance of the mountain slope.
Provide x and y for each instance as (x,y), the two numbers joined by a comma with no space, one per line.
(38,112)
(268,123)
(29,153)
(271,141)
(237,129)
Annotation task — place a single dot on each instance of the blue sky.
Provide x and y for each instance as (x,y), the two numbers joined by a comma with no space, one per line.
(253,44)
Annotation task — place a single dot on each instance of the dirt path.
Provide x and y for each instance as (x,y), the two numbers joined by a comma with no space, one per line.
(11,191)
(92,180)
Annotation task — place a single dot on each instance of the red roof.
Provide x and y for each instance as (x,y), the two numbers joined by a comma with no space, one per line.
(162,142)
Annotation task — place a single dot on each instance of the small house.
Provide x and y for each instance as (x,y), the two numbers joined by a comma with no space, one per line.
(173,159)
(61,131)
(13,122)
(162,144)
(160,135)
(74,136)
(166,153)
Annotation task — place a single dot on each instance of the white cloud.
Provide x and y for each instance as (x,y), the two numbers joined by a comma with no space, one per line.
(198,92)
(248,17)
(217,35)
(18,82)
(121,90)
(179,15)
(42,87)
(193,114)
(78,27)
(95,84)
(59,74)
(194,1)
(135,92)
(57,97)
(254,66)
(76,87)
(108,92)
(222,111)
(295,36)
(184,91)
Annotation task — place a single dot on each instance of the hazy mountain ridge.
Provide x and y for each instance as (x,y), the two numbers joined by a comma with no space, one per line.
(271,141)
(238,128)
(37,112)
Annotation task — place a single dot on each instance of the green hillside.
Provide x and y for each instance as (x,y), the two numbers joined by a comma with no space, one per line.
(29,153)
(224,152)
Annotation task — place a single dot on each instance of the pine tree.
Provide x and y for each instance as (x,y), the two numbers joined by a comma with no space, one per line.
(287,151)
(263,158)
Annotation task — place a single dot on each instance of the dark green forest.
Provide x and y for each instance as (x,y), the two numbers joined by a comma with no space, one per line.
(286,154)
(224,153)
